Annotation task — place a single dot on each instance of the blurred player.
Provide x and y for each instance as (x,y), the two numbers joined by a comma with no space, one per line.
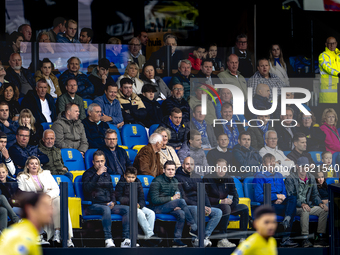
(21,238)
(262,241)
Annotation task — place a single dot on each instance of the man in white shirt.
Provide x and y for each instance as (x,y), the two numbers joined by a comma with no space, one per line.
(282,162)
(40,103)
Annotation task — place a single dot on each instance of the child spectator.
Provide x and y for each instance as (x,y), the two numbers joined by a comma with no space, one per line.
(322,187)
(327,163)
(145,216)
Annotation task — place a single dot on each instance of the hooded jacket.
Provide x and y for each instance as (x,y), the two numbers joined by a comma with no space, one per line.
(69,133)
(123,192)
(160,86)
(97,82)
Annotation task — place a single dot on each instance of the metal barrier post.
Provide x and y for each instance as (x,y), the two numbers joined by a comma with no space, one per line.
(168,61)
(64,213)
(101,51)
(201,213)
(331,221)
(133,214)
(267,194)
(35,55)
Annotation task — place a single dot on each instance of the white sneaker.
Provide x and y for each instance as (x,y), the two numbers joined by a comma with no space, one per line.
(70,243)
(109,243)
(126,243)
(207,242)
(42,241)
(225,243)
(56,237)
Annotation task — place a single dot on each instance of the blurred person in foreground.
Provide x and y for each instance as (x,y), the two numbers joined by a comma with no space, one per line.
(262,241)
(21,238)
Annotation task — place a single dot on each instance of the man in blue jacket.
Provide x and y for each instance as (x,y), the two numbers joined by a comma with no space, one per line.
(7,126)
(284,205)
(94,128)
(117,159)
(246,158)
(111,109)
(21,150)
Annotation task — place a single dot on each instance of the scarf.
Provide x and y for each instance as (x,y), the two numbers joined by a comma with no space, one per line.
(176,128)
(233,135)
(202,128)
(264,129)
(277,60)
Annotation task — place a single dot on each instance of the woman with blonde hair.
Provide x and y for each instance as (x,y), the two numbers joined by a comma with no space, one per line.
(277,64)
(35,179)
(167,152)
(329,120)
(132,72)
(27,119)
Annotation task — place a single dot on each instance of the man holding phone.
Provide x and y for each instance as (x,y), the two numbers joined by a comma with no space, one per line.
(98,188)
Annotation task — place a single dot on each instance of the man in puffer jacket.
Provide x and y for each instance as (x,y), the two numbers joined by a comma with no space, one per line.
(69,130)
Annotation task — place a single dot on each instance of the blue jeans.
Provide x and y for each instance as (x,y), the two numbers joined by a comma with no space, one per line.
(105,211)
(181,215)
(215,217)
(239,209)
(287,208)
(5,211)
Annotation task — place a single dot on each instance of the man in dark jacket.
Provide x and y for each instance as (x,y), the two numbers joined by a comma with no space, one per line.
(19,76)
(207,74)
(164,197)
(100,77)
(260,100)
(285,133)
(20,151)
(221,151)
(188,180)
(55,163)
(223,194)
(117,159)
(98,188)
(301,184)
(94,128)
(177,100)
(246,158)
(85,87)
(300,149)
(177,127)
(7,126)
(40,103)
(153,108)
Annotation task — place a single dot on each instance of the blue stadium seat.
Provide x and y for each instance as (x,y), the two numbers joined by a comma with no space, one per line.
(312,218)
(153,128)
(132,154)
(167,80)
(87,102)
(249,191)
(47,125)
(73,159)
(115,179)
(78,186)
(63,178)
(134,134)
(119,141)
(89,158)
(286,152)
(316,156)
(335,155)
(239,187)
(332,180)
(145,180)
(20,99)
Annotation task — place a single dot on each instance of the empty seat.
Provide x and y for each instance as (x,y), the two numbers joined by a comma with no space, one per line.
(89,158)
(73,159)
(134,134)
(249,190)
(47,125)
(62,178)
(153,128)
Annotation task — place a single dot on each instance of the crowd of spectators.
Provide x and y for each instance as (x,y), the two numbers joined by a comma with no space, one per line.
(185,148)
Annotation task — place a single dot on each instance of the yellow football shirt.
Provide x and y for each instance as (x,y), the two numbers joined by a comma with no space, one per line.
(20,239)
(257,245)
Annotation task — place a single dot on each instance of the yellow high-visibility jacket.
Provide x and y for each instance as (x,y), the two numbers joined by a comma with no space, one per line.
(329,64)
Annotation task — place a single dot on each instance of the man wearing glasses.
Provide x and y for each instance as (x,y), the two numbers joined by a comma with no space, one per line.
(177,100)
(329,64)
(246,66)
(117,159)
(21,150)
(134,54)
(283,163)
